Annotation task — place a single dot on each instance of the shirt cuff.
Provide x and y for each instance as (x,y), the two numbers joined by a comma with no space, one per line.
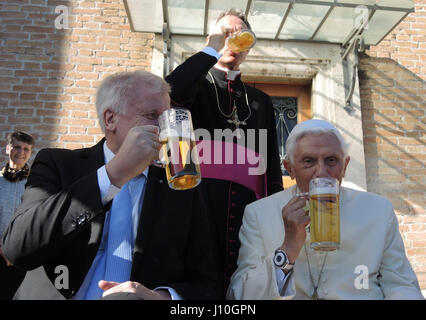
(108,190)
(172,292)
(282,279)
(212,52)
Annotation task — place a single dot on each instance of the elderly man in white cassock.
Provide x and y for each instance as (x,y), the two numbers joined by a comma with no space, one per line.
(275,259)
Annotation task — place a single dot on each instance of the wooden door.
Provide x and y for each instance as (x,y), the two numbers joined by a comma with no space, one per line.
(292,104)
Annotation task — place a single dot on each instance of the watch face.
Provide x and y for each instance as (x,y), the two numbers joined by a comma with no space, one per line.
(280,258)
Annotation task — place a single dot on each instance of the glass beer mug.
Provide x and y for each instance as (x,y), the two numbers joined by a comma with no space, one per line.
(178,153)
(324,211)
(241,40)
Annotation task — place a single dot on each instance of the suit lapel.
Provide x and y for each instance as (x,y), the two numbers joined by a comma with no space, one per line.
(94,155)
(92,159)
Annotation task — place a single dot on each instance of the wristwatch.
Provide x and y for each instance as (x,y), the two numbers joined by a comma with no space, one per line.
(281,260)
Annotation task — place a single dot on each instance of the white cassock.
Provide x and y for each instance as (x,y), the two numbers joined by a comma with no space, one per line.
(370,264)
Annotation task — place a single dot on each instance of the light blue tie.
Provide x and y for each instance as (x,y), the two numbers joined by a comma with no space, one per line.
(115,263)
(120,244)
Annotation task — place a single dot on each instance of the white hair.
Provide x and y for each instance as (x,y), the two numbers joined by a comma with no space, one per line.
(312,127)
(118,91)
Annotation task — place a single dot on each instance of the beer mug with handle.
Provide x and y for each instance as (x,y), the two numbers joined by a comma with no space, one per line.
(178,154)
(324,211)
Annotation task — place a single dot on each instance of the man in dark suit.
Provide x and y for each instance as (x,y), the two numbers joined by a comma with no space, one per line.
(61,232)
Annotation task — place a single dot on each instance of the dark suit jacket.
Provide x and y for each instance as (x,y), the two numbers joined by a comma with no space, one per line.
(60,222)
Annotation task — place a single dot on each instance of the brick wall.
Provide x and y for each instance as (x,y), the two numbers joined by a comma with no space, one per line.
(393,90)
(49,76)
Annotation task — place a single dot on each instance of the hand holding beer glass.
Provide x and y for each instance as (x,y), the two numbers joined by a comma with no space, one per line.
(178,154)
(324,211)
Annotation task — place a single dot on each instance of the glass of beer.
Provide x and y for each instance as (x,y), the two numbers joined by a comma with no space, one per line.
(241,40)
(324,211)
(178,152)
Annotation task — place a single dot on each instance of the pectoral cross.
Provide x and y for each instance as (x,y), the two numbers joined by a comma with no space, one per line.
(236,121)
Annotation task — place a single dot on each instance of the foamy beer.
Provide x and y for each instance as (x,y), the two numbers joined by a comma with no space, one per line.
(324,211)
(241,41)
(177,145)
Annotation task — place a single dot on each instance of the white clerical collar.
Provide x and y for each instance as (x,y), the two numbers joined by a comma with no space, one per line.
(108,155)
(230,74)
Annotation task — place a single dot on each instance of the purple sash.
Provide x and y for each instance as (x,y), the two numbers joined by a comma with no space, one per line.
(233,162)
